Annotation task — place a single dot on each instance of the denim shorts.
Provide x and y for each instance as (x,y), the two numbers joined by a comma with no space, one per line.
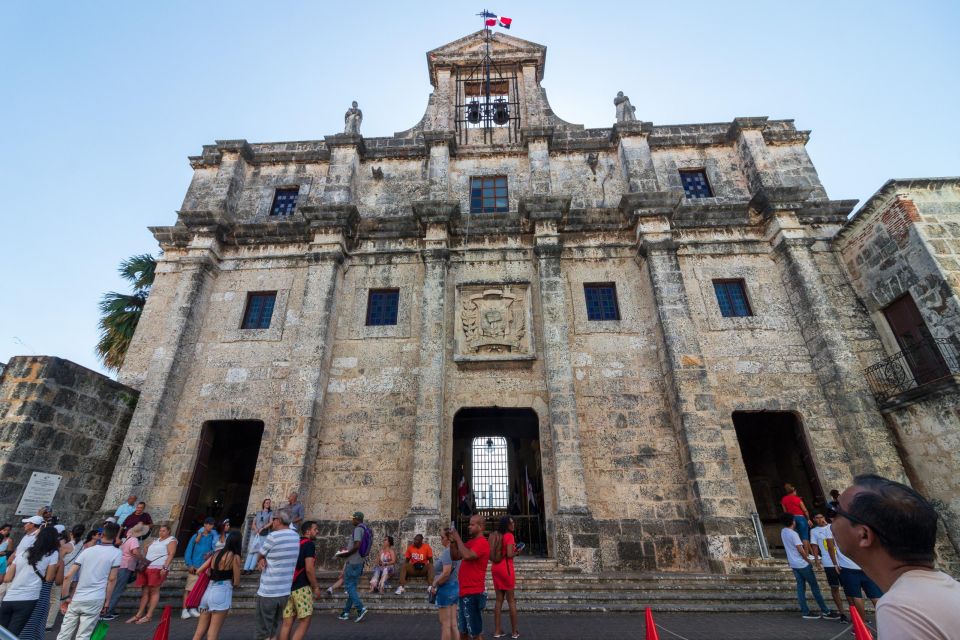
(855,583)
(217,597)
(448,594)
(470,613)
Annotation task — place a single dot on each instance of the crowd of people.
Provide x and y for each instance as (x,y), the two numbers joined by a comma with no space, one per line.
(875,540)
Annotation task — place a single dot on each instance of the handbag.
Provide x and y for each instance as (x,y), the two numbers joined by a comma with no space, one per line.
(100,631)
(196,593)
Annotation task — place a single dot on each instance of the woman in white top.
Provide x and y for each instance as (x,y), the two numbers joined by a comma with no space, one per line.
(158,555)
(26,578)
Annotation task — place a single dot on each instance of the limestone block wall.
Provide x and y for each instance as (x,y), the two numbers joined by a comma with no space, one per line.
(58,417)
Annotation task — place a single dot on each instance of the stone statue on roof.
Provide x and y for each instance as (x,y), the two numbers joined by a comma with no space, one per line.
(625,111)
(352,119)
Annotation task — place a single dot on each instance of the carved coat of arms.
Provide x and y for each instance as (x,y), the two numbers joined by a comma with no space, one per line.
(493,321)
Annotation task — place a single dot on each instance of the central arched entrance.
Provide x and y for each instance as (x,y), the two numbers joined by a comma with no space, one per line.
(497,471)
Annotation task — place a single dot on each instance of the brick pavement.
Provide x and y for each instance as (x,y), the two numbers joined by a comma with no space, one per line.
(673,626)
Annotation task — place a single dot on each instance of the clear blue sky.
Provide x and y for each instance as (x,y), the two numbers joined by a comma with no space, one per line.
(103,101)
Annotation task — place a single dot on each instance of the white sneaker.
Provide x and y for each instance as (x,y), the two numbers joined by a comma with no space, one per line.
(399,591)
(195,613)
(185,614)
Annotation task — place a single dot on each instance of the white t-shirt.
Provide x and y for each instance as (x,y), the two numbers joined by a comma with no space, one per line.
(818,536)
(157,552)
(95,564)
(790,541)
(921,605)
(26,583)
(26,542)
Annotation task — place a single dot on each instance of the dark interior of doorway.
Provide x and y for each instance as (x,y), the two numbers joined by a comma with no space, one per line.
(223,475)
(775,452)
(520,428)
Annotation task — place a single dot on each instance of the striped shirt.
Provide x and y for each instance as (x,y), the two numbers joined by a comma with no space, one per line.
(281,549)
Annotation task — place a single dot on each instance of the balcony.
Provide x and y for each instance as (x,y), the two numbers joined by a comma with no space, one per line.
(915,370)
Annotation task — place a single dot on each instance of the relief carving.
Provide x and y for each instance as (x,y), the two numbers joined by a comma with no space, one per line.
(493,321)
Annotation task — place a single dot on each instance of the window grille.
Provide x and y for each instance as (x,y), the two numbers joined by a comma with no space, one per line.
(695,184)
(601,301)
(285,201)
(382,305)
(732,298)
(259,310)
(491,476)
(489,195)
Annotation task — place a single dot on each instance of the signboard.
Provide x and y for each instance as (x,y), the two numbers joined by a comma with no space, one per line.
(39,492)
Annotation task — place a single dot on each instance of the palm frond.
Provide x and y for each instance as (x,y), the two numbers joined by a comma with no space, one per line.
(139,271)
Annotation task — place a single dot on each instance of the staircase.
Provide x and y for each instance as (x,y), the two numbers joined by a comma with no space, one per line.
(544,586)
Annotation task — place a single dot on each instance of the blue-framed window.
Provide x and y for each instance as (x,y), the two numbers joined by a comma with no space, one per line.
(382,307)
(732,298)
(695,184)
(259,310)
(489,194)
(285,201)
(601,300)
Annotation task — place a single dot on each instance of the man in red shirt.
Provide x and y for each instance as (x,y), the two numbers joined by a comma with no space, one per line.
(419,563)
(473,577)
(793,504)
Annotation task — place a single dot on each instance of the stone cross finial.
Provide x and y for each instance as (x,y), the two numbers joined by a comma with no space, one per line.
(625,111)
(352,119)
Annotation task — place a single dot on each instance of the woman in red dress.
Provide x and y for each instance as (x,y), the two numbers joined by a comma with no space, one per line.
(504,579)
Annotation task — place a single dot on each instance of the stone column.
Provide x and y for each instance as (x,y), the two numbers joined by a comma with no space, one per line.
(296,438)
(864,433)
(760,168)
(193,273)
(726,531)
(439,144)
(537,140)
(346,150)
(427,473)
(576,536)
(636,162)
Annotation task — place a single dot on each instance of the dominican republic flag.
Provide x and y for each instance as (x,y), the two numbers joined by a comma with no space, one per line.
(490,20)
(530,494)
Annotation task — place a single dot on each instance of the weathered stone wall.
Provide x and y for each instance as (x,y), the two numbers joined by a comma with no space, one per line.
(58,417)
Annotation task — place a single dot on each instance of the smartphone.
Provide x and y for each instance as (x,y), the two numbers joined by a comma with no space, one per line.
(453,525)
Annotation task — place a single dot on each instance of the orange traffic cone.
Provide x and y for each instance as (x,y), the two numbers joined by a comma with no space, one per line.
(163,629)
(860,631)
(652,628)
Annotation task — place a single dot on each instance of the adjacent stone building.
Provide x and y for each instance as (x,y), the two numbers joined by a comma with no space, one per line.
(628,336)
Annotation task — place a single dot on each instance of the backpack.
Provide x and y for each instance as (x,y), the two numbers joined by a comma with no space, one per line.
(366,542)
(496,547)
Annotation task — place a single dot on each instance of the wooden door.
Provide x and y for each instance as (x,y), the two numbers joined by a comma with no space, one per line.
(919,350)
(196,482)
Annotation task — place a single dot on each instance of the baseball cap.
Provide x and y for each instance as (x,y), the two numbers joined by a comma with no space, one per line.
(34,520)
(209,520)
(111,519)
(358,515)
(60,528)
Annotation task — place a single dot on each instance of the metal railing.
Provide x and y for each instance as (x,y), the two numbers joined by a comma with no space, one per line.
(919,364)
(761,538)
(529,529)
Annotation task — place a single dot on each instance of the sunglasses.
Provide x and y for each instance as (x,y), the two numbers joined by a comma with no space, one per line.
(854,519)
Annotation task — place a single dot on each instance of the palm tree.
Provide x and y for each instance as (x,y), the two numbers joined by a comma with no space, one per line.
(120,312)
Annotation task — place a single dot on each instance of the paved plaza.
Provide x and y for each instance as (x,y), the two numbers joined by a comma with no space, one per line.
(672,626)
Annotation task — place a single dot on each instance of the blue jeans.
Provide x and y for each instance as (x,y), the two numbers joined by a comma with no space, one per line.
(803,527)
(351,576)
(804,577)
(470,614)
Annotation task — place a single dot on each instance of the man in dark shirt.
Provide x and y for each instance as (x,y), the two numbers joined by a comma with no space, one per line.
(139,515)
(304,589)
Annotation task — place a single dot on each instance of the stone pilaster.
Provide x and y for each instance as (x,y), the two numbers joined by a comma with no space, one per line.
(633,148)
(575,533)
(346,150)
(727,532)
(862,428)
(439,144)
(760,168)
(537,140)
(427,475)
(190,275)
(295,440)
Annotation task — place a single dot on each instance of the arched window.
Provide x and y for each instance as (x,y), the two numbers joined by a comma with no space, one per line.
(491,480)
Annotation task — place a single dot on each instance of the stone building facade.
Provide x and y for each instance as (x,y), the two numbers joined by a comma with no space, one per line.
(60,418)
(901,254)
(652,317)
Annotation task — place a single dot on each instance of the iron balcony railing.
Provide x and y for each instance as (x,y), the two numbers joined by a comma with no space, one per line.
(917,365)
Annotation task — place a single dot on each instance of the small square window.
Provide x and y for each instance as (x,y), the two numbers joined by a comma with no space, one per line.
(489,195)
(382,307)
(285,201)
(259,310)
(732,298)
(601,301)
(695,184)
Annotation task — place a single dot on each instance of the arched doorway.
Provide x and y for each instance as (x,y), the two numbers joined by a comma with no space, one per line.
(497,471)
(222,476)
